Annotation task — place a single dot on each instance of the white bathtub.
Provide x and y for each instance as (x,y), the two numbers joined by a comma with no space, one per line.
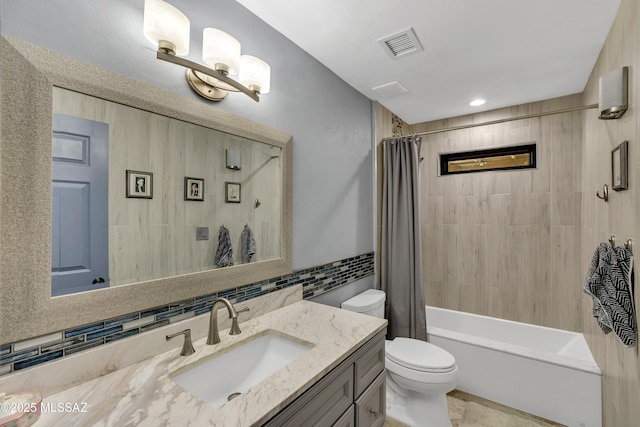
(543,371)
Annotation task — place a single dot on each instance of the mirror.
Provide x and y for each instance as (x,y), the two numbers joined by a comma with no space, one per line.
(159,233)
(29,76)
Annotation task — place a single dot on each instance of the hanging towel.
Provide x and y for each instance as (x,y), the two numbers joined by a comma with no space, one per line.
(248,245)
(609,283)
(224,254)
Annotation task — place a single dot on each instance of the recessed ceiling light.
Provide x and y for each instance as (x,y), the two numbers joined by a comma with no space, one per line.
(477,102)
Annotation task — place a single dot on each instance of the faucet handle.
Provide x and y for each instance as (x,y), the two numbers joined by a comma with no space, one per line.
(187,346)
(235,328)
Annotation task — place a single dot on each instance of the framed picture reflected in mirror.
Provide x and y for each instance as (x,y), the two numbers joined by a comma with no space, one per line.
(232,192)
(194,189)
(139,185)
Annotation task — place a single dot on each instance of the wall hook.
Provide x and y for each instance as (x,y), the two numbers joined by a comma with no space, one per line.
(257,203)
(605,193)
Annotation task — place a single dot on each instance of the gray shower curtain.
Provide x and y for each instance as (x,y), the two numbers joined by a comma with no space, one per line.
(401,253)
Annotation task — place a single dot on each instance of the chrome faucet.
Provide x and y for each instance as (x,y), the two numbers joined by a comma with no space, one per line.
(214,337)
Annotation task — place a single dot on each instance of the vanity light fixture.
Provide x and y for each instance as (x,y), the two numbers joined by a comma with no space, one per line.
(168,29)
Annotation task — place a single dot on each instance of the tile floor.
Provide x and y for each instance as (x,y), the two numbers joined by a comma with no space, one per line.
(458,401)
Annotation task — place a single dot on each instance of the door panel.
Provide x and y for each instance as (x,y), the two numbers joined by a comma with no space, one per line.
(80,240)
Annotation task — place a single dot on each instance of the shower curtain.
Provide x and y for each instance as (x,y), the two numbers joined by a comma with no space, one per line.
(401,253)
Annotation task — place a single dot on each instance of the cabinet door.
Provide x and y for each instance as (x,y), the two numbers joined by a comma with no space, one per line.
(371,405)
(369,364)
(322,405)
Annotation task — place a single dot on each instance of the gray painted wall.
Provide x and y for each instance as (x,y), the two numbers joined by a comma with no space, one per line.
(331,122)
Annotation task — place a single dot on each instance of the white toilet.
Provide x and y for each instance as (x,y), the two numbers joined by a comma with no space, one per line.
(419,374)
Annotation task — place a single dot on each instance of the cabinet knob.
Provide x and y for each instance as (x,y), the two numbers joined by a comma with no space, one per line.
(374,413)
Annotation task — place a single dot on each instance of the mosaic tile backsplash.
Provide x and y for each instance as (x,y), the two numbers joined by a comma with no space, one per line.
(315,281)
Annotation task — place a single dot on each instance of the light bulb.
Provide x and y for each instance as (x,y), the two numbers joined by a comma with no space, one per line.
(166,27)
(255,74)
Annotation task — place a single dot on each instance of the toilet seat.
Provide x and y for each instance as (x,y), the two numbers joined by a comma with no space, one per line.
(419,356)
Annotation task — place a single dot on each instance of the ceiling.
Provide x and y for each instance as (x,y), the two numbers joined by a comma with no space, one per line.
(508,52)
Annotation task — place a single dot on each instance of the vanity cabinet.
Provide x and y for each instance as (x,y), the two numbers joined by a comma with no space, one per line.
(351,395)
(370,408)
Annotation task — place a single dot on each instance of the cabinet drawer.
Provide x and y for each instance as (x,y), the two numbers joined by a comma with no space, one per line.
(321,405)
(348,419)
(369,364)
(371,405)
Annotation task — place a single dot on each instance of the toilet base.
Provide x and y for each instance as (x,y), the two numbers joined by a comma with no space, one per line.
(414,409)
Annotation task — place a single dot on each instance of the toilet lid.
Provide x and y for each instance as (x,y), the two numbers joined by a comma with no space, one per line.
(419,355)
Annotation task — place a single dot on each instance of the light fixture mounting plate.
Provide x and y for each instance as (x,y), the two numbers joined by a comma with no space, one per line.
(204,89)
(203,70)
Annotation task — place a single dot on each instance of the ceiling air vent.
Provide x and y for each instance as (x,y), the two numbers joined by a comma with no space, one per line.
(390,89)
(401,44)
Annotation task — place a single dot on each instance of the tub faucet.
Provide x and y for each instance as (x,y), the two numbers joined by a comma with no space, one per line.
(214,337)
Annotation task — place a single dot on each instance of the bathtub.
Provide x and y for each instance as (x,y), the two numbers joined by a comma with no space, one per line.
(543,371)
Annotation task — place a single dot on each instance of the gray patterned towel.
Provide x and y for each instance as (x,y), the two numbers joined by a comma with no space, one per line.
(248,245)
(609,283)
(224,254)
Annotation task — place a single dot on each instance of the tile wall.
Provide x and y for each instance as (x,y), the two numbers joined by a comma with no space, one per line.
(619,217)
(315,280)
(504,243)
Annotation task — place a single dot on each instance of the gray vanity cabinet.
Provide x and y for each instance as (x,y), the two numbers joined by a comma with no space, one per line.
(371,405)
(351,395)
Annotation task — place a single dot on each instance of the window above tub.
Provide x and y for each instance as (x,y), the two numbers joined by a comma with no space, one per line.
(503,158)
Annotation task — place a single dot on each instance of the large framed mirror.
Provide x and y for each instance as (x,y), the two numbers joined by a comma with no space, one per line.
(159,249)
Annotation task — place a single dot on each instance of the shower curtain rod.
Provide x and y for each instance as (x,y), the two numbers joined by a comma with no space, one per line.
(510,119)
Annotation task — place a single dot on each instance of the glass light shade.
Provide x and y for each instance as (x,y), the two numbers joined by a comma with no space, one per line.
(164,23)
(220,50)
(255,74)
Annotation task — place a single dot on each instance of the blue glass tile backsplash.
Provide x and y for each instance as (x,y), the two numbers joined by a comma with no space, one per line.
(315,281)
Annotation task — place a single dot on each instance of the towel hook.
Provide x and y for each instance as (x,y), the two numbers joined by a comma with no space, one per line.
(605,193)
(627,244)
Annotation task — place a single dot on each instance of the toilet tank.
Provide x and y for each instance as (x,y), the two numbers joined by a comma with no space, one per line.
(369,302)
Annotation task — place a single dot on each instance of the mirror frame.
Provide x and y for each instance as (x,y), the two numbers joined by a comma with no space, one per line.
(27,310)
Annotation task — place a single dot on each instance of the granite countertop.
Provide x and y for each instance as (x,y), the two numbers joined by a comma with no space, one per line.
(144,395)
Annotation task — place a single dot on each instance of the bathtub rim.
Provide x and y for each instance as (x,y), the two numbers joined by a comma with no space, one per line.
(589,366)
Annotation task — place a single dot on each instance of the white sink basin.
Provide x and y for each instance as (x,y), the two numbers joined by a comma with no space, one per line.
(226,376)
